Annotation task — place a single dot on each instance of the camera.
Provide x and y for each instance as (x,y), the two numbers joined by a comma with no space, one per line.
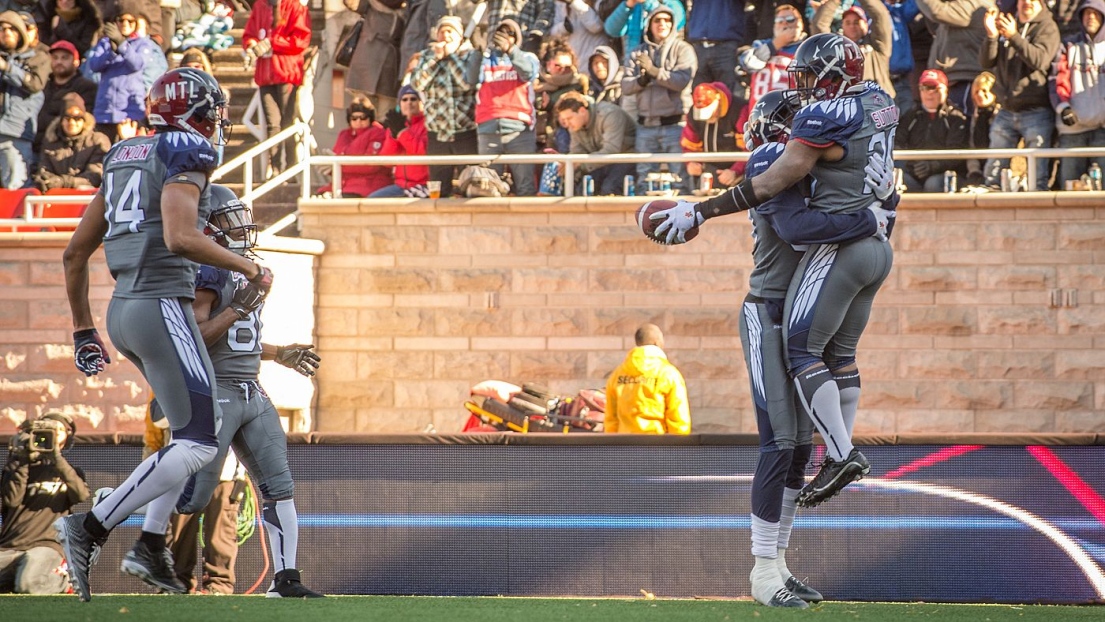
(44,435)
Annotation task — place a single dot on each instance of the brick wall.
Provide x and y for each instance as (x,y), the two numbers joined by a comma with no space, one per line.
(993,319)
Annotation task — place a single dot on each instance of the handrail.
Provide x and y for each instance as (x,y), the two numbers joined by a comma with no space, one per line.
(245,161)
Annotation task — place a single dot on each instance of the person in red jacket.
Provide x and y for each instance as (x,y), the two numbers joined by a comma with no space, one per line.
(364,136)
(275,38)
(410,179)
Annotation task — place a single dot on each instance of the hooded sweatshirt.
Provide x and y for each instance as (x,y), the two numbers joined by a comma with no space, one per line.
(646,394)
(1022,62)
(504,97)
(713,136)
(609,90)
(1076,80)
(669,94)
(21,85)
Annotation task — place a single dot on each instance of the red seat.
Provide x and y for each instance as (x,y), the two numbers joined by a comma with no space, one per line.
(62,208)
(11,206)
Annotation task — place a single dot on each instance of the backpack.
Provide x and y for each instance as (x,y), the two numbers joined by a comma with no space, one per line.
(481,181)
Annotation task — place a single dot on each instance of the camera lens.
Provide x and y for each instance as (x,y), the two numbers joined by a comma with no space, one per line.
(43,440)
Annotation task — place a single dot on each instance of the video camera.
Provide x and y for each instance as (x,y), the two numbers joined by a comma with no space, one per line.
(44,434)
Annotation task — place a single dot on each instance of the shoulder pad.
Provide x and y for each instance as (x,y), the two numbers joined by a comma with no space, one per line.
(762,158)
(828,121)
(183,152)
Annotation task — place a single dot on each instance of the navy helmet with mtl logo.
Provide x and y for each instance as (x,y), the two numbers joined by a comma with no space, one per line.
(824,66)
(188,100)
(769,120)
(231,221)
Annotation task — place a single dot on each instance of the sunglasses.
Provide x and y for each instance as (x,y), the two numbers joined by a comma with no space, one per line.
(125,20)
(79,117)
(789,19)
(358,117)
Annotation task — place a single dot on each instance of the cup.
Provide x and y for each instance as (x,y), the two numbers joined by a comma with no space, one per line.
(435,189)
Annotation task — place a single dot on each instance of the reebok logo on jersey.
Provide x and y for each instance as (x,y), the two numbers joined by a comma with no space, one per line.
(130,153)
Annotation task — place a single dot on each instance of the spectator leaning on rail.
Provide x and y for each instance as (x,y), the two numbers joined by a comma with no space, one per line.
(660,74)
(1078,92)
(73,152)
(712,128)
(21,84)
(937,125)
(868,23)
(1019,50)
(959,37)
(598,128)
(363,137)
(450,100)
(646,394)
(408,138)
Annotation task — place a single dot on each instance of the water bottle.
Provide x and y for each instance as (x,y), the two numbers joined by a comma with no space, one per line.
(1095,177)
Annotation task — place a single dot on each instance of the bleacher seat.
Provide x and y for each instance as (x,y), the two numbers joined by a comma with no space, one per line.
(11,206)
(62,208)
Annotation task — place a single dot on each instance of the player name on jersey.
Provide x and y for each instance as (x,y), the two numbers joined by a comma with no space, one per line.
(129,153)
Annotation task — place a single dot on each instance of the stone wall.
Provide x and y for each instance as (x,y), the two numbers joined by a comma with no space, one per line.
(993,319)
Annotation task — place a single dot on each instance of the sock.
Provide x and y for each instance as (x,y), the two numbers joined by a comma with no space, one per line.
(765,538)
(820,397)
(94,527)
(155,541)
(781,565)
(161,471)
(282,525)
(848,383)
(765,579)
(786,519)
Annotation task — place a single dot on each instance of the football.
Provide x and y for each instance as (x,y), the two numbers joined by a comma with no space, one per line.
(648,226)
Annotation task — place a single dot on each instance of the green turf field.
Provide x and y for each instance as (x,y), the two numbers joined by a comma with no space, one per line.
(433,609)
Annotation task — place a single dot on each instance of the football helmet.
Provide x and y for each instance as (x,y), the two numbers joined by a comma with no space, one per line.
(231,221)
(189,100)
(769,120)
(824,66)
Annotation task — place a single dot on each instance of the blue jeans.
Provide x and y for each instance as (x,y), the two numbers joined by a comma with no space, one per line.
(514,142)
(1034,126)
(388,192)
(1074,168)
(659,139)
(16,155)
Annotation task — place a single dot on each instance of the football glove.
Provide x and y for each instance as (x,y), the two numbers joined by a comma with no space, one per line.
(298,357)
(677,221)
(882,219)
(880,179)
(246,300)
(263,279)
(89,354)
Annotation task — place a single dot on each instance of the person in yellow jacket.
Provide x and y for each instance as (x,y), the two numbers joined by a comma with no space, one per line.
(646,394)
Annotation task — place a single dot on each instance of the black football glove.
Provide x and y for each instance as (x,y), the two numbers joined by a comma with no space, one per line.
(1069,117)
(246,300)
(89,354)
(298,357)
(263,279)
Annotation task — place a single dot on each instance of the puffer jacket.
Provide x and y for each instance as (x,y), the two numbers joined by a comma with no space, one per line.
(290,37)
(362,179)
(1075,80)
(411,141)
(21,85)
(1022,62)
(669,93)
(72,162)
(646,394)
(122,91)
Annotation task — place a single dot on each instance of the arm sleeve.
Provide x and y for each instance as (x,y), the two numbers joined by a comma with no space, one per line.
(1058,81)
(822,20)
(797,224)
(295,36)
(209,277)
(616,24)
(1040,51)
(610,415)
(955,13)
(882,25)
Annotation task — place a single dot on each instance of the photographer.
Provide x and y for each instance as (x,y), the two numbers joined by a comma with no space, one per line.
(38,486)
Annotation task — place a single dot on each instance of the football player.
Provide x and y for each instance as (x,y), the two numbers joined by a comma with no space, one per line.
(149,215)
(228,312)
(844,139)
(781,227)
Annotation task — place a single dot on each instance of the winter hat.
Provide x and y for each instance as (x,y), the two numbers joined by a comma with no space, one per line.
(62,44)
(860,13)
(195,55)
(449,21)
(661,9)
(133,8)
(408,90)
(12,19)
(71,101)
(361,106)
(515,29)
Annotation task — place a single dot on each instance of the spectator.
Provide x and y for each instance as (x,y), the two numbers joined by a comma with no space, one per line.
(937,125)
(712,128)
(65,79)
(1019,48)
(646,394)
(580,23)
(275,38)
(660,75)
(73,151)
(1077,91)
(21,83)
(157,64)
(560,75)
(605,75)
(598,128)
(533,17)
(1067,17)
(902,15)
(120,57)
(110,10)
(715,29)
(196,59)
(959,35)
(868,23)
(408,139)
(363,137)
(505,115)
(207,28)
(35,43)
(761,24)
(422,19)
(450,100)
(37,486)
(628,21)
(767,60)
(75,21)
(374,69)
(984,106)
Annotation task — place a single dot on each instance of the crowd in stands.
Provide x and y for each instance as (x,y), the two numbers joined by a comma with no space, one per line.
(496,77)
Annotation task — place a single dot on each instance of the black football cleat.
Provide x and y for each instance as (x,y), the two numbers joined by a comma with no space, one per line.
(785,598)
(803,591)
(832,478)
(81,551)
(155,568)
(288,585)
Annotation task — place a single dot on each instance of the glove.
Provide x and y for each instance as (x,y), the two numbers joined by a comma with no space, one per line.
(1069,116)
(257,50)
(111,31)
(501,41)
(298,357)
(89,354)
(648,67)
(879,178)
(263,279)
(246,300)
(922,170)
(677,221)
(882,219)
(394,122)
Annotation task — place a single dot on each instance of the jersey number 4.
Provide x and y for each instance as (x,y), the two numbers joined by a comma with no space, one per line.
(123,205)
